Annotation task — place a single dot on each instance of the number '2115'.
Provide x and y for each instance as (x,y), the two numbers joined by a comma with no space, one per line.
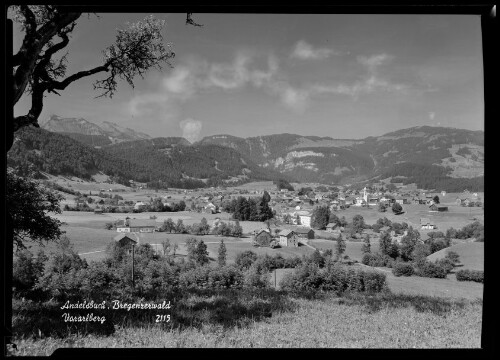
(162,318)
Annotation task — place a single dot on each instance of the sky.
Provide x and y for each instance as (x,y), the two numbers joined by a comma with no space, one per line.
(342,76)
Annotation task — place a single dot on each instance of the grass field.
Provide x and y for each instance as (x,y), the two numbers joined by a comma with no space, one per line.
(471,255)
(457,216)
(353,322)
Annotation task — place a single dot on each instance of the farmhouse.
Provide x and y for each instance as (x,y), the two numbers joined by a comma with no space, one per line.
(331,227)
(139,205)
(140,225)
(435,207)
(211,208)
(426,224)
(125,241)
(305,233)
(289,238)
(263,237)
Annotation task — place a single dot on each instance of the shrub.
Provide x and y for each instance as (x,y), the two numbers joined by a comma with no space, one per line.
(470,275)
(225,277)
(26,272)
(292,262)
(196,278)
(374,281)
(305,278)
(256,277)
(431,270)
(453,257)
(402,269)
(245,259)
(446,264)
(376,260)
(160,277)
(336,277)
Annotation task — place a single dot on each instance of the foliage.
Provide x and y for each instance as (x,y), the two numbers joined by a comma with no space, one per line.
(376,260)
(320,217)
(358,223)
(340,247)
(431,270)
(397,208)
(436,244)
(366,245)
(137,49)
(337,278)
(283,184)
(402,269)
(385,244)
(251,209)
(27,205)
(245,259)
(27,269)
(453,256)
(420,252)
(222,254)
(408,243)
(470,275)
(206,277)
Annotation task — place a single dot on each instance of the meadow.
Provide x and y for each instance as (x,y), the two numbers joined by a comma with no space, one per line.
(353,321)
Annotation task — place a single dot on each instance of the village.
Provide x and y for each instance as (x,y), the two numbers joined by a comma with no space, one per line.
(138,210)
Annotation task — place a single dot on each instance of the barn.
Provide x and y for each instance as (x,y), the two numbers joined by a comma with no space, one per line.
(142,225)
(263,237)
(305,233)
(289,238)
(435,207)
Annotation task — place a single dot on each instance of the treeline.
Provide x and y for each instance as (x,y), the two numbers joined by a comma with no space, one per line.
(91,140)
(140,161)
(432,177)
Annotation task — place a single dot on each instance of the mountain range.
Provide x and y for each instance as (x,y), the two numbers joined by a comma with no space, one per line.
(432,157)
(83,130)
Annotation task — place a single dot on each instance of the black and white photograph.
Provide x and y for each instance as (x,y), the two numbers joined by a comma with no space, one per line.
(244,179)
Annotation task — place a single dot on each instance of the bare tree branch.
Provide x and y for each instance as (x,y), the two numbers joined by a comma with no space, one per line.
(190,21)
(32,46)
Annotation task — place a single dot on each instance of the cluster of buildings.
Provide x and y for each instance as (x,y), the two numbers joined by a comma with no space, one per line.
(285,237)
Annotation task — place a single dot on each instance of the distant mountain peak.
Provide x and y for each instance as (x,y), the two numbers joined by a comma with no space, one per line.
(59,124)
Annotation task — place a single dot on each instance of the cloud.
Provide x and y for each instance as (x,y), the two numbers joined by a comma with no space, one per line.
(191,129)
(145,104)
(432,115)
(305,51)
(195,76)
(374,61)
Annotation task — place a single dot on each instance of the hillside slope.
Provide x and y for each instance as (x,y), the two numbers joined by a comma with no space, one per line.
(471,255)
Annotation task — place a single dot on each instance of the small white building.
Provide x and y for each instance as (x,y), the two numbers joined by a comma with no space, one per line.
(305,220)
(427,224)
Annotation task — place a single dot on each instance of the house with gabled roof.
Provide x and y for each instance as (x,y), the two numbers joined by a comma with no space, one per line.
(427,224)
(305,233)
(288,237)
(263,237)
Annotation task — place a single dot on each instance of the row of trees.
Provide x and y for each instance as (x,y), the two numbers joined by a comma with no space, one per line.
(203,228)
(252,209)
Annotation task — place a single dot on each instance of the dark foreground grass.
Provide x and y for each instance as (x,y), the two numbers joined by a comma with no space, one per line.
(274,319)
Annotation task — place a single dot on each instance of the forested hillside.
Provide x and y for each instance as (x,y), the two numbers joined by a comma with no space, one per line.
(141,160)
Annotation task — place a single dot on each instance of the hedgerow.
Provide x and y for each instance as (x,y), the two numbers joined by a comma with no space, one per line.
(470,275)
